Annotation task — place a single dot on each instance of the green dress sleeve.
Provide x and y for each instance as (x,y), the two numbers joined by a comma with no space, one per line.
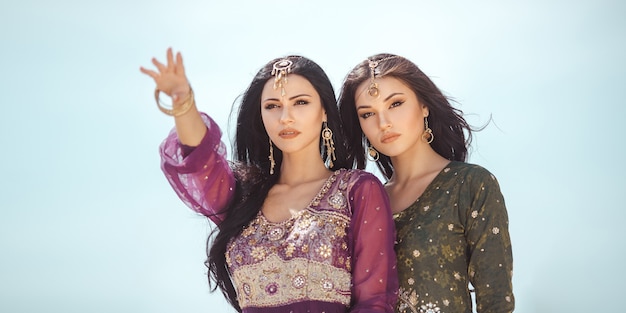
(487,233)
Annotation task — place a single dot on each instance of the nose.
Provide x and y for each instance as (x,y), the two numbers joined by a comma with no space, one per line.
(286,116)
(383,121)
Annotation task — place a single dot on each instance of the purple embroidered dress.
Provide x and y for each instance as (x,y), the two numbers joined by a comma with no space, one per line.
(336,255)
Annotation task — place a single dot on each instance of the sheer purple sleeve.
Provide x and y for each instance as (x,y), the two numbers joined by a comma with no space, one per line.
(375,280)
(200,176)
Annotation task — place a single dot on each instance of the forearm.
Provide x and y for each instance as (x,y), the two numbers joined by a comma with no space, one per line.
(190,127)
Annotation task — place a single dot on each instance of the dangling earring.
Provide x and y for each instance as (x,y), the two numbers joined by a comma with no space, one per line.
(427,136)
(327,135)
(271,158)
(372,154)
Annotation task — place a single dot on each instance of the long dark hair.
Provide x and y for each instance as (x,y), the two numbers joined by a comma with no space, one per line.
(251,165)
(452,134)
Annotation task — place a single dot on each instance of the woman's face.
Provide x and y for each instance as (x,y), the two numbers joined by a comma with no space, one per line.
(393,122)
(293,120)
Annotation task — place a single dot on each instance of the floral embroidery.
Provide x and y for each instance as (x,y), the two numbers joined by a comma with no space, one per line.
(457,276)
(337,201)
(276,233)
(340,231)
(437,235)
(299,281)
(258,253)
(324,251)
(327,284)
(318,286)
(271,288)
(290,249)
(429,308)
(301,259)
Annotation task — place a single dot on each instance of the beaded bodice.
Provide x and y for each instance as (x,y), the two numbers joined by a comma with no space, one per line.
(306,257)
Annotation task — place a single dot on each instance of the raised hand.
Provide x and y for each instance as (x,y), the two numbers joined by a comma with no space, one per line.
(170,78)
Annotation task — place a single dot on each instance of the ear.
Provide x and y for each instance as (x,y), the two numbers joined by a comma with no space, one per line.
(425,110)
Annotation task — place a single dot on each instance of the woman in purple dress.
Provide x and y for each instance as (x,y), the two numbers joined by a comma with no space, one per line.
(296,230)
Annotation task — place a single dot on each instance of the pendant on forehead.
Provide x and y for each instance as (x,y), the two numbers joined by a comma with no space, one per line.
(280,69)
(372,90)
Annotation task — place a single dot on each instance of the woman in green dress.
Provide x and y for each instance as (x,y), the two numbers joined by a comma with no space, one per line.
(450,216)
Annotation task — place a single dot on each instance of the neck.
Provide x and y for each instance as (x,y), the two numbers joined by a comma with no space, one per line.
(302,167)
(415,163)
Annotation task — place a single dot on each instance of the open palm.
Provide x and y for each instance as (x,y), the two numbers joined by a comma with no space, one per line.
(170,78)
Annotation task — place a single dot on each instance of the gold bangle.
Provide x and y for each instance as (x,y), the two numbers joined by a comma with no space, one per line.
(182,109)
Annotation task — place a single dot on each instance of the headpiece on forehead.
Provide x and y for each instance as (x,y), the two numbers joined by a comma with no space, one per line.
(280,70)
(372,90)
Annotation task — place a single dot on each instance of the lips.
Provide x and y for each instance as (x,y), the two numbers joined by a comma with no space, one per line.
(389,137)
(288,133)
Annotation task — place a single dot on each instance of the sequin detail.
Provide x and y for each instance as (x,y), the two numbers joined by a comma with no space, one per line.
(305,258)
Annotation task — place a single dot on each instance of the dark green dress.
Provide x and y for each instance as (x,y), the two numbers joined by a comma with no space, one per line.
(456,233)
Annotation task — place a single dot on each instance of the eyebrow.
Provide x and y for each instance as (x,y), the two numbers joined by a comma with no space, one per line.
(386,99)
(290,98)
(393,94)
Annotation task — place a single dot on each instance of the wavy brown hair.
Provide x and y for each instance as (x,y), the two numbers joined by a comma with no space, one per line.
(452,134)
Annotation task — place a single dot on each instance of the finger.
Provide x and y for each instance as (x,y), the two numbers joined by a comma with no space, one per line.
(170,59)
(150,73)
(180,67)
(159,65)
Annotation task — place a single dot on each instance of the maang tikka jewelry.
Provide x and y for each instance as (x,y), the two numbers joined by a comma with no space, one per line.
(271,158)
(327,135)
(372,90)
(427,136)
(280,70)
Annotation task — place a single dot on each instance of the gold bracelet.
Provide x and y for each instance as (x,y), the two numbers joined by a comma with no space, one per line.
(182,109)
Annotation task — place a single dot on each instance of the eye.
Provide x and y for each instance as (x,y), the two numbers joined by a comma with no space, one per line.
(270,106)
(301,102)
(396,104)
(366,115)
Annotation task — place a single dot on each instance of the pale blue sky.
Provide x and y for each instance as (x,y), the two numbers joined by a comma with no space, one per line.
(89,223)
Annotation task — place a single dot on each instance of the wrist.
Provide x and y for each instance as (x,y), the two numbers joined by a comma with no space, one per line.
(181,104)
(180,96)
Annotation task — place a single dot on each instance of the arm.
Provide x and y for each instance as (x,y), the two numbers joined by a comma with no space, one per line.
(200,174)
(491,260)
(203,179)
(374,273)
(171,80)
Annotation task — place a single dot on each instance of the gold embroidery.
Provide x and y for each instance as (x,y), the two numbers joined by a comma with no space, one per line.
(274,282)
(324,251)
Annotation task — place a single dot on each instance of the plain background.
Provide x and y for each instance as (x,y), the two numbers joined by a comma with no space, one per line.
(88,223)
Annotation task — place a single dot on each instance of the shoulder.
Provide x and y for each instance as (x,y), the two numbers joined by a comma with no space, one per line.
(355,176)
(474,178)
(470,171)
(354,179)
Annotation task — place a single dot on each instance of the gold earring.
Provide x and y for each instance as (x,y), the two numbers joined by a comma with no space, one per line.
(327,135)
(427,136)
(271,158)
(372,154)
